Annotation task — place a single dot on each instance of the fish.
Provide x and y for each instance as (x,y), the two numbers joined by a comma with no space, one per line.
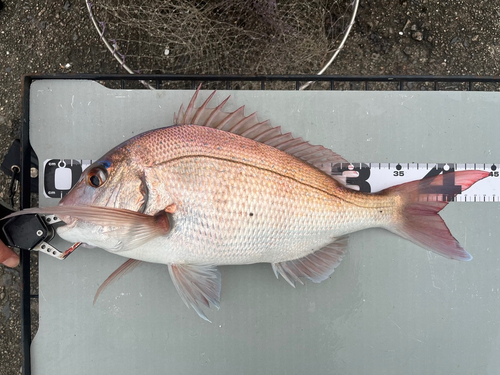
(222,188)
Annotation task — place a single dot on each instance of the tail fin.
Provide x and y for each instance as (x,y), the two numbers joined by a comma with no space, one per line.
(418,220)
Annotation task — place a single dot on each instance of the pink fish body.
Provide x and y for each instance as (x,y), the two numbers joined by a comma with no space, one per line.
(220,188)
(237,201)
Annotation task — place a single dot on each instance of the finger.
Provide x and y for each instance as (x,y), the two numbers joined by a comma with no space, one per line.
(7,256)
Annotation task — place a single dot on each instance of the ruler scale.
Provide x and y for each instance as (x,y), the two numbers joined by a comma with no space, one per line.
(374,177)
(59,175)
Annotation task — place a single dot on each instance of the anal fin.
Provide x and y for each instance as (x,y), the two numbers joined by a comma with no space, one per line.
(198,285)
(316,266)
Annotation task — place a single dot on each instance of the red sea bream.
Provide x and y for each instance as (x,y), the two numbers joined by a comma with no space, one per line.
(219,188)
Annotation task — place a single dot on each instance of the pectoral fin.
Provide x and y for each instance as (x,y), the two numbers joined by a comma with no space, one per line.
(315,267)
(198,285)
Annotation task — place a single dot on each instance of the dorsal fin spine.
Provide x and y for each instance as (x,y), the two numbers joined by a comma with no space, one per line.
(190,107)
(250,129)
(291,147)
(311,150)
(292,142)
(216,112)
(176,116)
(230,117)
(320,159)
(279,139)
(202,108)
(298,147)
(261,136)
(235,129)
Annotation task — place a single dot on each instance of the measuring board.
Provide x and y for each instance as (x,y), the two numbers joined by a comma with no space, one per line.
(399,308)
(61,174)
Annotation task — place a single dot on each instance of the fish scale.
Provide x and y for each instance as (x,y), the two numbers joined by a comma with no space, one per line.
(290,219)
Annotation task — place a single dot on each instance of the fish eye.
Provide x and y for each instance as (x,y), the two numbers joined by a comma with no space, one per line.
(97,177)
(94,181)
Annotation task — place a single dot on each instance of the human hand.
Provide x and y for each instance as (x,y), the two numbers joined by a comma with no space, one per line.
(7,256)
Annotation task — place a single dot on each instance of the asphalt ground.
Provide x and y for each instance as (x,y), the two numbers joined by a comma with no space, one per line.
(389,38)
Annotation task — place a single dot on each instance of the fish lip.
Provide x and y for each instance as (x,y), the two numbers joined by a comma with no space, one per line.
(70,224)
(69,221)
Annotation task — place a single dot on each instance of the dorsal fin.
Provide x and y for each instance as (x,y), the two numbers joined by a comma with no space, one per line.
(249,126)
